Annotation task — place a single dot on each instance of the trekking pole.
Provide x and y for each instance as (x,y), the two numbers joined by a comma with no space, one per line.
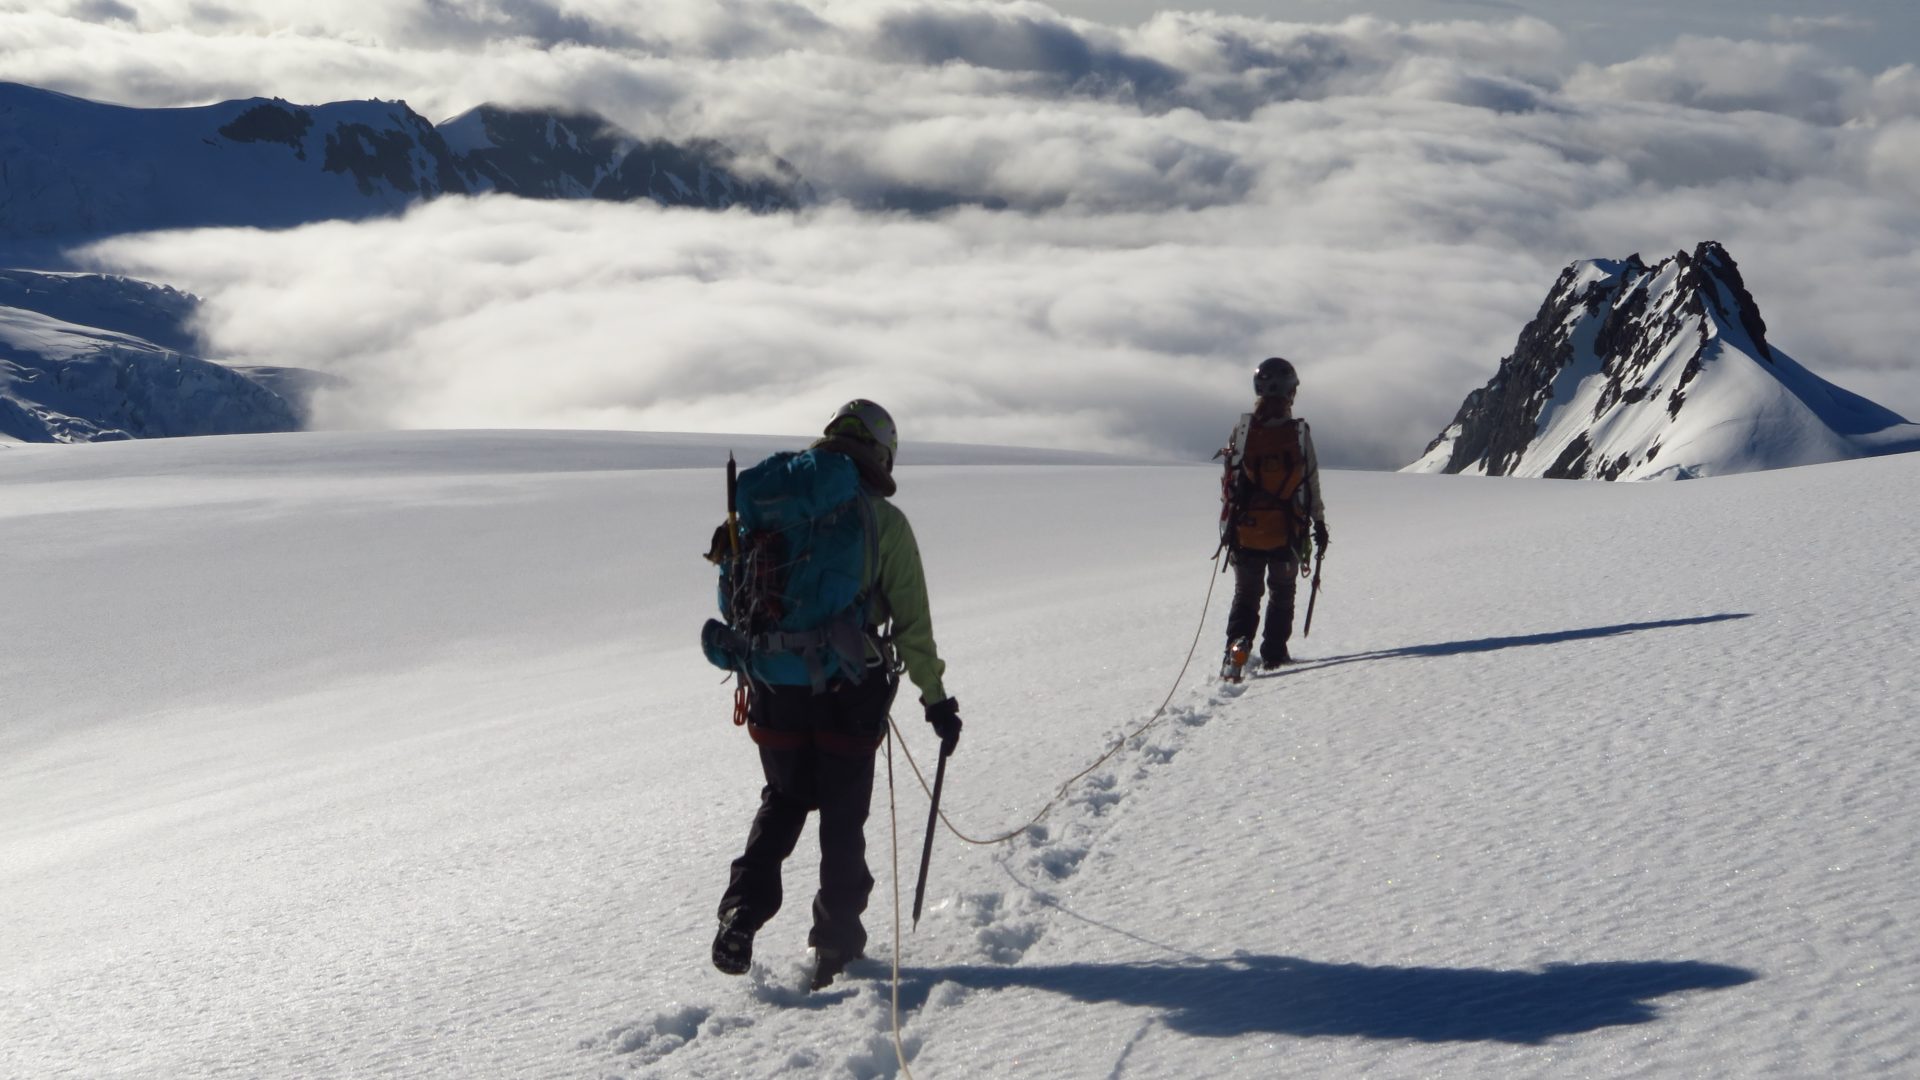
(1318,558)
(933,818)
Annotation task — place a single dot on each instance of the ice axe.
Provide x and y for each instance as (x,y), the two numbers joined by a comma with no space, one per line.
(933,818)
(1319,557)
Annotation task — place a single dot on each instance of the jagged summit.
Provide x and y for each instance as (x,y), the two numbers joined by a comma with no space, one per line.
(1632,372)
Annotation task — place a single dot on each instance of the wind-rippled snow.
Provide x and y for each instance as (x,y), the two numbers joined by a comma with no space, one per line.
(394,755)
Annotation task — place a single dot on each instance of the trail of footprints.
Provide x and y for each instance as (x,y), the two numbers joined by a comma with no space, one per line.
(1050,853)
(1005,925)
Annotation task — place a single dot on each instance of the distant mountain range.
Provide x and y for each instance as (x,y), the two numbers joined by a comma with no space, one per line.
(555,155)
(1628,371)
(88,357)
(75,169)
(1633,372)
(92,357)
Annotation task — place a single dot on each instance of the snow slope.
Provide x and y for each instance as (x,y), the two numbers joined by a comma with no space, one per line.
(393,755)
(79,169)
(125,372)
(156,313)
(60,382)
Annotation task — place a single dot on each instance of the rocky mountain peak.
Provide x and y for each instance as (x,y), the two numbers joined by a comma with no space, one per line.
(1631,371)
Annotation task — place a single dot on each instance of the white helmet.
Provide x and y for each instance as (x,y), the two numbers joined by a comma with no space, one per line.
(862,419)
(1275,378)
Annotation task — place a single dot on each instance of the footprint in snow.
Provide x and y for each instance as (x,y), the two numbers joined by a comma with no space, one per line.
(1006,942)
(981,909)
(790,987)
(1002,934)
(1155,754)
(1189,717)
(647,1041)
(877,1058)
(1060,862)
(1099,800)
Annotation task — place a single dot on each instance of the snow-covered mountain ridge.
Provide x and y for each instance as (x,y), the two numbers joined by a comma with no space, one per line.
(78,169)
(538,154)
(1632,371)
(128,370)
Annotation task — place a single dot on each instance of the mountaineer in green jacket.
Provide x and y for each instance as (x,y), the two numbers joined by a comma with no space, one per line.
(817,725)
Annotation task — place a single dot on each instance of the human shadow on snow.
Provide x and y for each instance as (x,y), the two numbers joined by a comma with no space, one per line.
(1283,995)
(1494,644)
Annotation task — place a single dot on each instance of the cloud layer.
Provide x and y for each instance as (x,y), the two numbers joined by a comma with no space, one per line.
(1385,203)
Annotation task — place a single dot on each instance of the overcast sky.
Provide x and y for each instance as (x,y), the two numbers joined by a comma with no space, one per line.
(1866,33)
(1383,200)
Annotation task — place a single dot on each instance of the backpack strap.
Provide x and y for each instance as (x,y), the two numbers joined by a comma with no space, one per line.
(1300,494)
(809,645)
(854,640)
(870,525)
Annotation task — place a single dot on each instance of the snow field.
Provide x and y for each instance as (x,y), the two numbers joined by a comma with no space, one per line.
(394,756)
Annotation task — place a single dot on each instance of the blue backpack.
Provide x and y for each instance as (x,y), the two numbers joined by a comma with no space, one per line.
(793,591)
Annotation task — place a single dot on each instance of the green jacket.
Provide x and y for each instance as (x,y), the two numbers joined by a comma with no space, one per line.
(901,595)
(899,582)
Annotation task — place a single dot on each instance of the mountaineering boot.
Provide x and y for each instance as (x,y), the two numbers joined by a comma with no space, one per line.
(828,964)
(1274,659)
(1235,662)
(733,946)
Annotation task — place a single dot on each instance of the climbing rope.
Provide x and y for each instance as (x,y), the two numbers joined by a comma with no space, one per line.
(1061,793)
(893,813)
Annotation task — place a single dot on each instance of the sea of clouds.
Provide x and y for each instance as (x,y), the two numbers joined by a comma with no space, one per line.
(1133,216)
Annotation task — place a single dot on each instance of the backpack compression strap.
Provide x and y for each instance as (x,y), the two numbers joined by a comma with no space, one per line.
(847,637)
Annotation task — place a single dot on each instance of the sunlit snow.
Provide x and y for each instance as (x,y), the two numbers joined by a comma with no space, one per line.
(394,755)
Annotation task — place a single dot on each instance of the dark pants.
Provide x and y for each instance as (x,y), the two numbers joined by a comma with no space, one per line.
(1276,573)
(817,752)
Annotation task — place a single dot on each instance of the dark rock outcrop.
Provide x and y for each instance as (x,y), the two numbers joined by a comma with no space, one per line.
(539,154)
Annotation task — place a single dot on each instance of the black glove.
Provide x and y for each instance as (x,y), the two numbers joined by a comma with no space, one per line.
(1320,536)
(944,715)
